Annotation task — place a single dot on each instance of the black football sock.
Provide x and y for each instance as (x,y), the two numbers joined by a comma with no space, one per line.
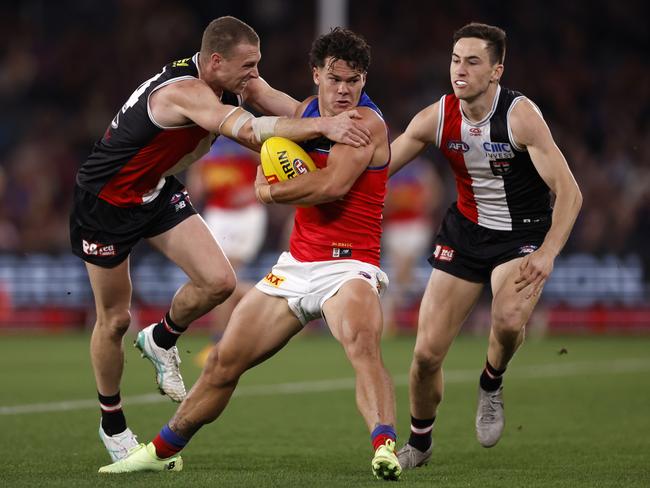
(491,378)
(113,421)
(166,332)
(420,437)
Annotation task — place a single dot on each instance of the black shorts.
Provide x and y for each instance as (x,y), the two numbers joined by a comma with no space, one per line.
(103,234)
(470,251)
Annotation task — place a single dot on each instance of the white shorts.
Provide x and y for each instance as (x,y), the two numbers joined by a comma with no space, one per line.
(307,286)
(240,232)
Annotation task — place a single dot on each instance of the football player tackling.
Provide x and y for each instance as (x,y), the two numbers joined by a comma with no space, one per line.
(332,270)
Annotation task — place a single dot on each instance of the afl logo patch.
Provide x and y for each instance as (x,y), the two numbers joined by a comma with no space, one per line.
(300,167)
(458,146)
(530,248)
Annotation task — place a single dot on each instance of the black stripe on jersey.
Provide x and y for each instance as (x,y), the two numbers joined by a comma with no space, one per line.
(527,195)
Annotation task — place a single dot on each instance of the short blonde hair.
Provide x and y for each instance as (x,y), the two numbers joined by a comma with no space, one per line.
(223,34)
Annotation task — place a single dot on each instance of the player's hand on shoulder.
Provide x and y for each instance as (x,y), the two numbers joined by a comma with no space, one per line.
(346,128)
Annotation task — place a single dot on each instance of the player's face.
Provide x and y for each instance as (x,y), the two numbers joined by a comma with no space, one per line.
(471,71)
(235,71)
(339,86)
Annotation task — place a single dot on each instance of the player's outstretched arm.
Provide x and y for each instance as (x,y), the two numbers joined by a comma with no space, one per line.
(344,165)
(266,100)
(419,133)
(530,130)
(194,100)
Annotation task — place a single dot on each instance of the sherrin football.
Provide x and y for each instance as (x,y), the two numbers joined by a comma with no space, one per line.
(283,159)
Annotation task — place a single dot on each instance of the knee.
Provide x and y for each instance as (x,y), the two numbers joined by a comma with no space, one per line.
(116,323)
(362,346)
(508,320)
(427,360)
(220,285)
(222,369)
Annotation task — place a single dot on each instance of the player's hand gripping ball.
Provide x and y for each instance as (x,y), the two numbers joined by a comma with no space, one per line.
(283,159)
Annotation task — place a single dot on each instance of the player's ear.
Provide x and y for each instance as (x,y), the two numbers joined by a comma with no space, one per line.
(497,73)
(315,75)
(216,59)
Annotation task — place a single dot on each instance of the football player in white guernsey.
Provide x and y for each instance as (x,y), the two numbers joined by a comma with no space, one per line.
(126,191)
(491,235)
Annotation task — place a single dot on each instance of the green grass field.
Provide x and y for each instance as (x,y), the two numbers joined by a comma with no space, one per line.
(580,419)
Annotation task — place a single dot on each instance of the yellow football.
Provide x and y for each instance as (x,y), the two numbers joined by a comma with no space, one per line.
(283,159)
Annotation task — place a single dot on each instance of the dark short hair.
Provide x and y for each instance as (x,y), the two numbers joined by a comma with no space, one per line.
(223,34)
(494,36)
(341,43)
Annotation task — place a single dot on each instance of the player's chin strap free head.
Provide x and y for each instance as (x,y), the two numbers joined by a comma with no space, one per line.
(263,127)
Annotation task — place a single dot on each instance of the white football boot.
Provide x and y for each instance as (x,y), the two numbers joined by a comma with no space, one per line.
(167,363)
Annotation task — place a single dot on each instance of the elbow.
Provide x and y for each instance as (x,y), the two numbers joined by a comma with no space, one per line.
(577,199)
(332,191)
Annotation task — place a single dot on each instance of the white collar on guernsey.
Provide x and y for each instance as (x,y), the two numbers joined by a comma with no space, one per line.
(195,60)
(487,118)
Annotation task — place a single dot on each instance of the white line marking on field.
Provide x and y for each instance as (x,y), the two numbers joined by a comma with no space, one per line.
(620,366)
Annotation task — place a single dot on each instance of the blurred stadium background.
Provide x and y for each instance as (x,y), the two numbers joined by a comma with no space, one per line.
(578,396)
(67,66)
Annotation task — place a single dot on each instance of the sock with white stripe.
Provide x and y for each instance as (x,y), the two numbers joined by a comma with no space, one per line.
(420,437)
(113,421)
(491,378)
(166,332)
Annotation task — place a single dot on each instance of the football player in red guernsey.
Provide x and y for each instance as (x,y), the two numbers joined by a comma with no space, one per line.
(126,191)
(502,230)
(331,271)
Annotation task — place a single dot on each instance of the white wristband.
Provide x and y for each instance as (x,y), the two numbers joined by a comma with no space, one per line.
(234,121)
(263,128)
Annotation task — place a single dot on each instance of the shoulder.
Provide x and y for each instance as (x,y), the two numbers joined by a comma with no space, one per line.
(303,105)
(526,121)
(187,90)
(371,119)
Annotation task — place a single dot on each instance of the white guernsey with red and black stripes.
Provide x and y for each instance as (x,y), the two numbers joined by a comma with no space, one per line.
(498,185)
(128,165)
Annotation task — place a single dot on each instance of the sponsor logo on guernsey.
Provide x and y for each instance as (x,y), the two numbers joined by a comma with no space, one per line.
(97,249)
(443,253)
(498,150)
(527,249)
(475,131)
(273,280)
(458,146)
(365,275)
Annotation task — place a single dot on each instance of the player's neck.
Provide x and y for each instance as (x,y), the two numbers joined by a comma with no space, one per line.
(476,109)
